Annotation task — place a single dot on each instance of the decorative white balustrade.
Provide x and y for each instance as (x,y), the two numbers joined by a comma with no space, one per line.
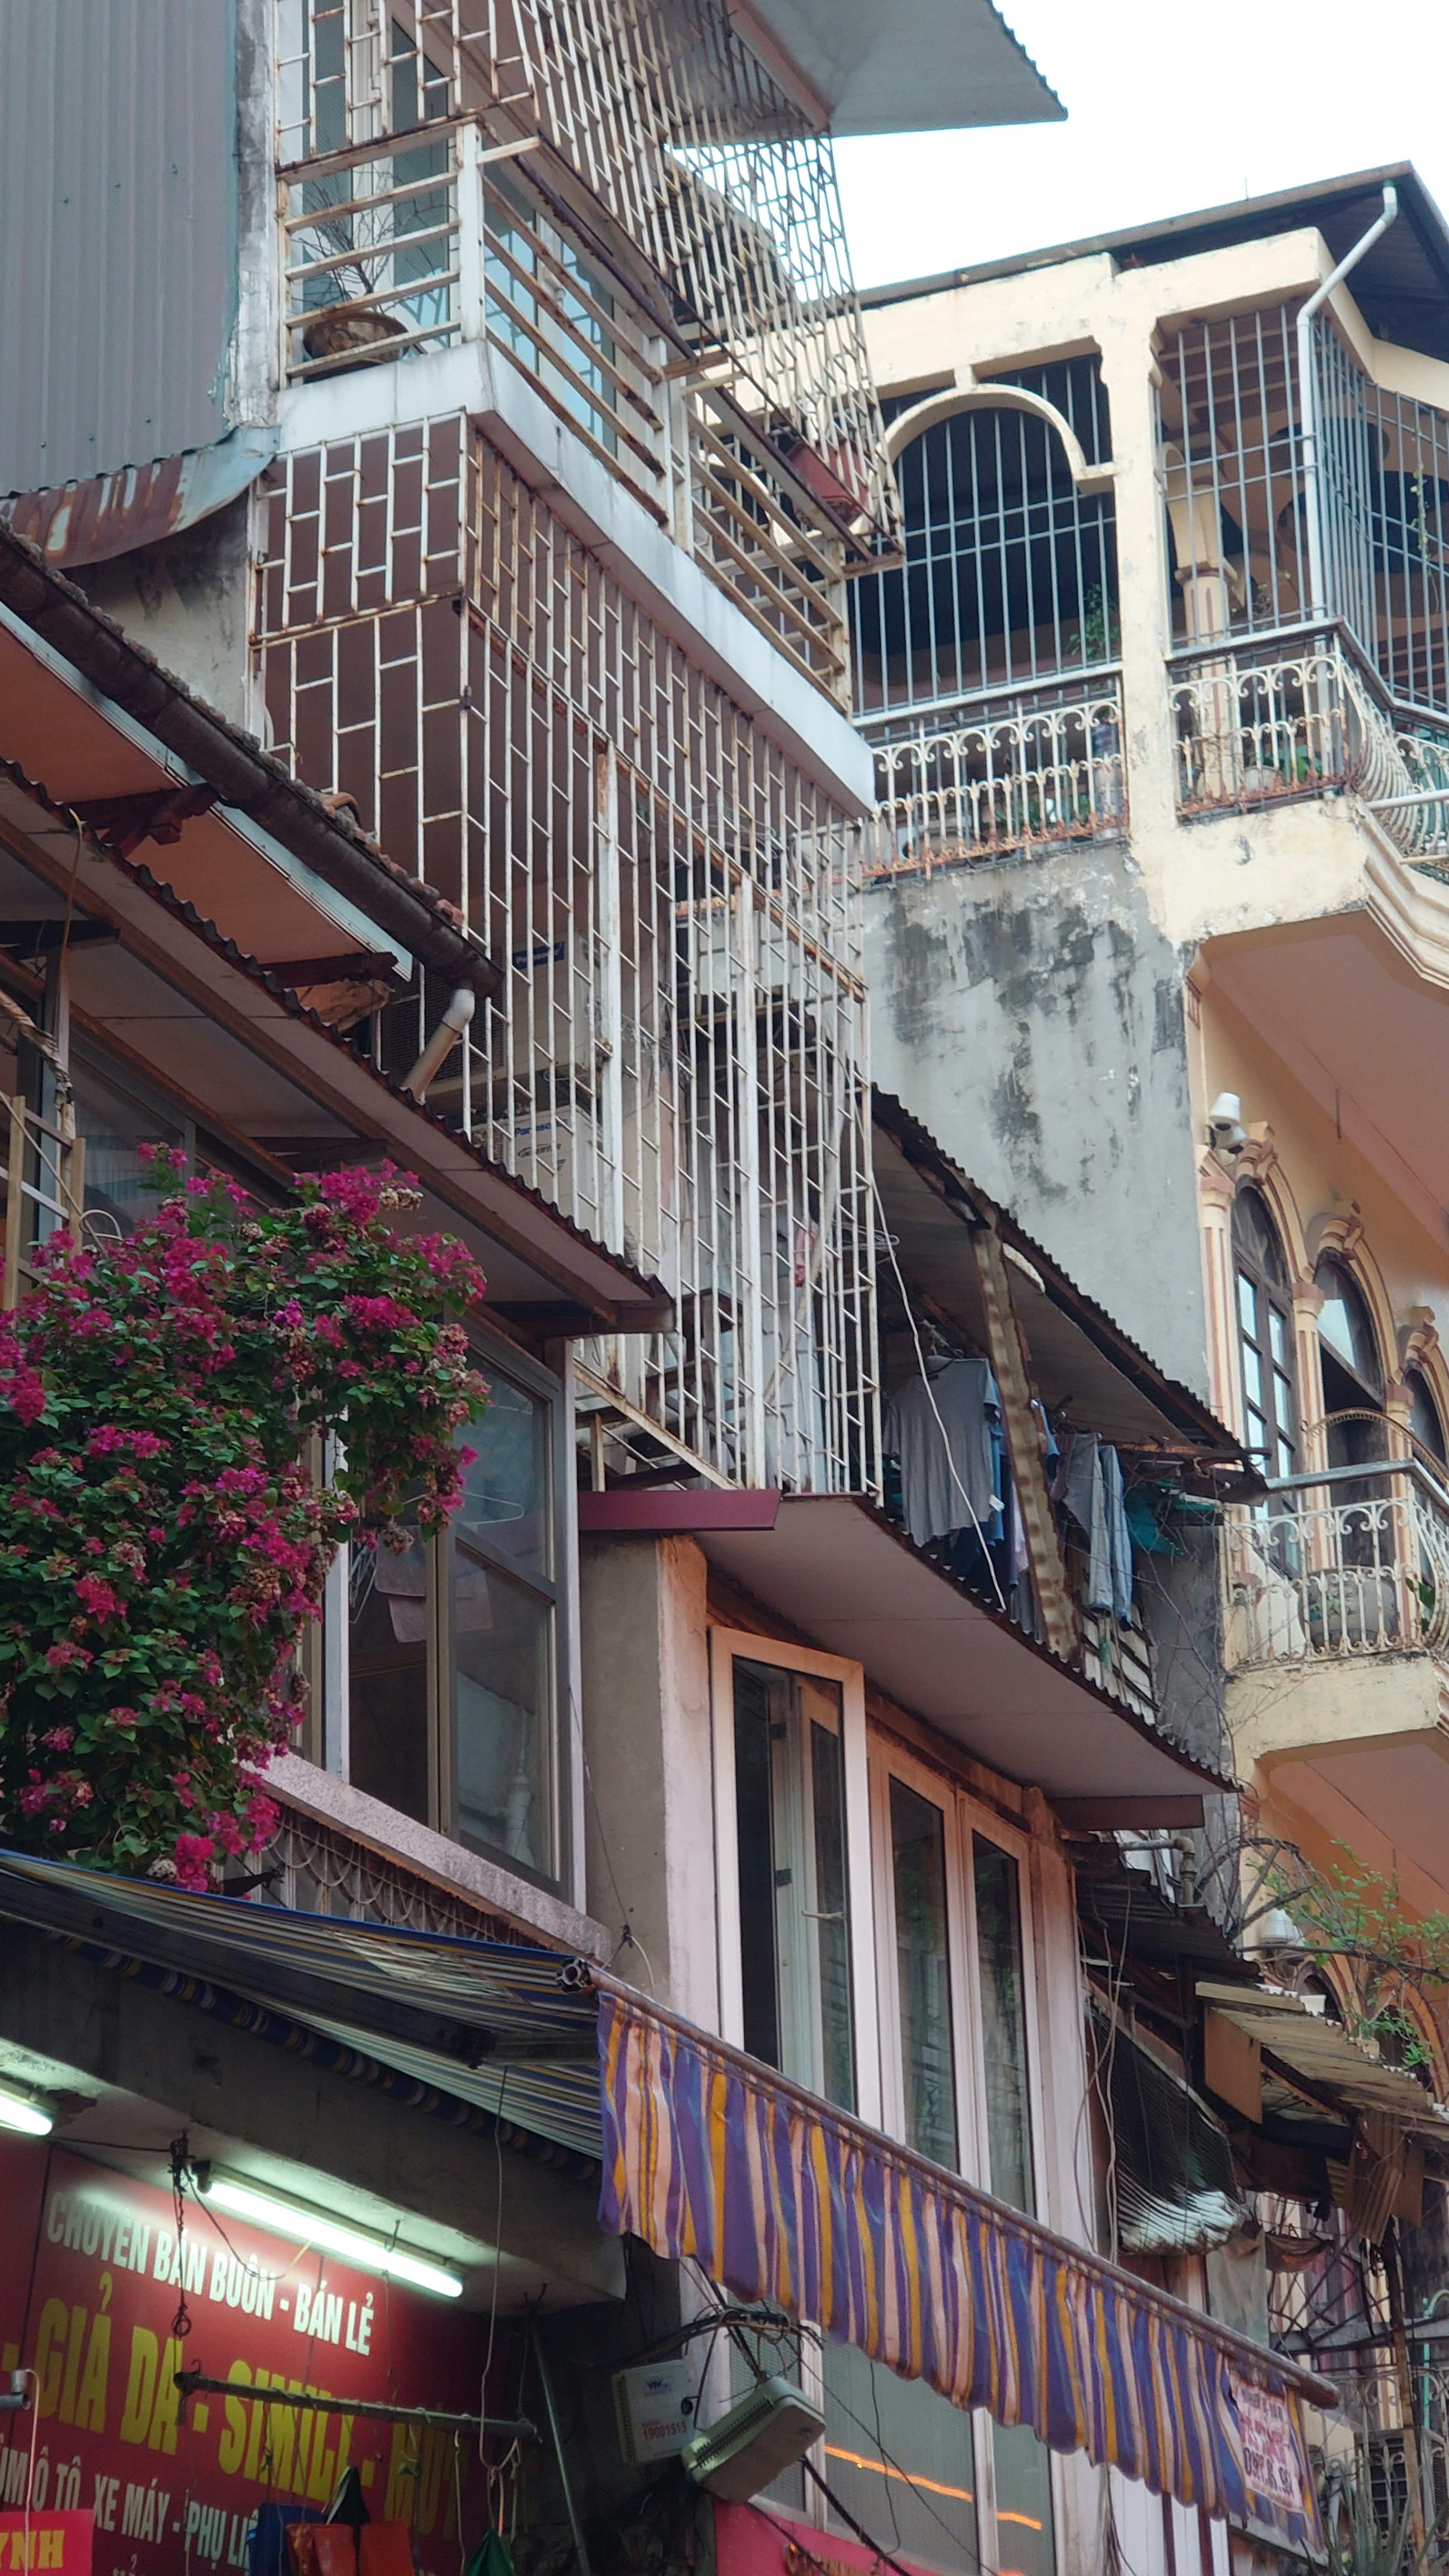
(1349,1562)
(999,782)
(1251,730)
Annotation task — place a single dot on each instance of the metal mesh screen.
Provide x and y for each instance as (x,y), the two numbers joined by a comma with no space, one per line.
(678,1062)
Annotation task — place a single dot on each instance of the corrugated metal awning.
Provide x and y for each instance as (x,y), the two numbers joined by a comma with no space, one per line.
(1173,2178)
(493,2024)
(1328,2055)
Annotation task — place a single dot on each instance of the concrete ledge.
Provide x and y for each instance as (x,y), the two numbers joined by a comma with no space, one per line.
(330,1801)
(603,514)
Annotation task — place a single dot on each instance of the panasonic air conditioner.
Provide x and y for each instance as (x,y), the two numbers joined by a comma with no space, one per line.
(767,2432)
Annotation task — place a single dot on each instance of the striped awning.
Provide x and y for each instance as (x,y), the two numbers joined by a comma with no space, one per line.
(777,2197)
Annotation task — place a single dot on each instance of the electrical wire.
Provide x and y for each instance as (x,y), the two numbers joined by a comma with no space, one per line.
(930,1394)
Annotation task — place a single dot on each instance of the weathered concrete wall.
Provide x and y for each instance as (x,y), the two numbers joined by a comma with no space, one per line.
(187,600)
(646,1711)
(1030,1014)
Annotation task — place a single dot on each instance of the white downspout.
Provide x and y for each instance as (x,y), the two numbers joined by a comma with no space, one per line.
(1308,399)
(455,1020)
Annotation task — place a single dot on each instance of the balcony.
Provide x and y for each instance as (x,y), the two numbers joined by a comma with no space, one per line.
(1017,775)
(1336,1637)
(1343,1563)
(1301,716)
(667,270)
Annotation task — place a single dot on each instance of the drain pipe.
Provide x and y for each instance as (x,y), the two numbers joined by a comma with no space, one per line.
(450,1028)
(1308,398)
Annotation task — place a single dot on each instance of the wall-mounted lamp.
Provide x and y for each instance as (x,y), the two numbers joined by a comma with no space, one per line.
(1225,1129)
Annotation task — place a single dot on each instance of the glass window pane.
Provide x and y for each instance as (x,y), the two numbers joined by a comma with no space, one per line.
(1024,2543)
(918,1850)
(1344,1323)
(901,2460)
(1247,1304)
(830,1910)
(1257,1434)
(755,1689)
(1278,1336)
(1252,1374)
(388,1679)
(1003,2024)
(1285,1459)
(503,1691)
(506,1490)
(794,1900)
(118,1184)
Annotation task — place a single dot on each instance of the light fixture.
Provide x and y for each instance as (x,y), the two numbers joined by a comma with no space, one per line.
(1225,1127)
(17,2111)
(349,2244)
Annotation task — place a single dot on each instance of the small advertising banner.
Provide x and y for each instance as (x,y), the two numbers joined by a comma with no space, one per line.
(92,2276)
(59,2541)
(1272,2460)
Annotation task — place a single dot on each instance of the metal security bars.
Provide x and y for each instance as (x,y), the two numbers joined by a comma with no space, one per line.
(1026,771)
(1232,482)
(1237,504)
(678,1059)
(705,177)
(1383,473)
(1010,570)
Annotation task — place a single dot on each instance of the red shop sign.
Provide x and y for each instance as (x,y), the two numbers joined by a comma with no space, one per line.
(748,2542)
(91,2275)
(59,2542)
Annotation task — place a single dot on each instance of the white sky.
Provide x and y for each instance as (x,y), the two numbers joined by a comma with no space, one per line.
(1168,109)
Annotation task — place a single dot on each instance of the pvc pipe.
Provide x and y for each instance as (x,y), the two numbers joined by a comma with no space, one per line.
(1308,396)
(435,1054)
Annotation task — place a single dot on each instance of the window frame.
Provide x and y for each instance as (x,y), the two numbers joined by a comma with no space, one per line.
(495,1357)
(1268,1300)
(965,1818)
(872,1759)
(725,1646)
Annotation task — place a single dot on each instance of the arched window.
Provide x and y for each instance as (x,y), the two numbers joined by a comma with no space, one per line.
(1353,1371)
(1010,573)
(1265,1336)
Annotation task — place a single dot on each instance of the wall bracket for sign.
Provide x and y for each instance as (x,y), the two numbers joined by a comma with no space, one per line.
(512,2428)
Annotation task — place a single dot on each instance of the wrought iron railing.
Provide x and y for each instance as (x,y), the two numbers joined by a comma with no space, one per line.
(1339,1563)
(316,1868)
(999,779)
(1300,716)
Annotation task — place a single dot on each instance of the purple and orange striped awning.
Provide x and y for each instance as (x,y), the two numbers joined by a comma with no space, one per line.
(777,2196)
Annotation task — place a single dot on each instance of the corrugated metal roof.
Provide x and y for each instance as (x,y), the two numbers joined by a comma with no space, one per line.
(495,2026)
(118,232)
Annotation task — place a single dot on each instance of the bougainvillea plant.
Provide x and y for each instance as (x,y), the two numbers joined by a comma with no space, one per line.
(162,1538)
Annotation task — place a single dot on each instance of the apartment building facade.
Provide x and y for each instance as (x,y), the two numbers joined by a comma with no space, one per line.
(501,461)
(1153,927)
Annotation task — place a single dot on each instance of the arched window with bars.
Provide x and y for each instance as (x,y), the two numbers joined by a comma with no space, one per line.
(1010,571)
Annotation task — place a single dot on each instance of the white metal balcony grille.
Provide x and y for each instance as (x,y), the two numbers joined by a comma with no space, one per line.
(1341,1563)
(1254,726)
(678,1062)
(1026,772)
(697,161)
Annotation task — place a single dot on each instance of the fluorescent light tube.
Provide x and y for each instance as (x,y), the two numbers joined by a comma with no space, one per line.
(310,2227)
(17,2113)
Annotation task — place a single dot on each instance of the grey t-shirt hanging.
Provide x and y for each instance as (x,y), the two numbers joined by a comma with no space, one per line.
(931,1497)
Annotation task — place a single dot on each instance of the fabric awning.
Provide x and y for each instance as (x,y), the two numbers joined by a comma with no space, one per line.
(776,2196)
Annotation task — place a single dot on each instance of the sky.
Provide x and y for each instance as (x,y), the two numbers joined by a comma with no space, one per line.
(1168,109)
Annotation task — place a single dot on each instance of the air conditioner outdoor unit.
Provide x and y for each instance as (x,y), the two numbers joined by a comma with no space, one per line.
(767,2432)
